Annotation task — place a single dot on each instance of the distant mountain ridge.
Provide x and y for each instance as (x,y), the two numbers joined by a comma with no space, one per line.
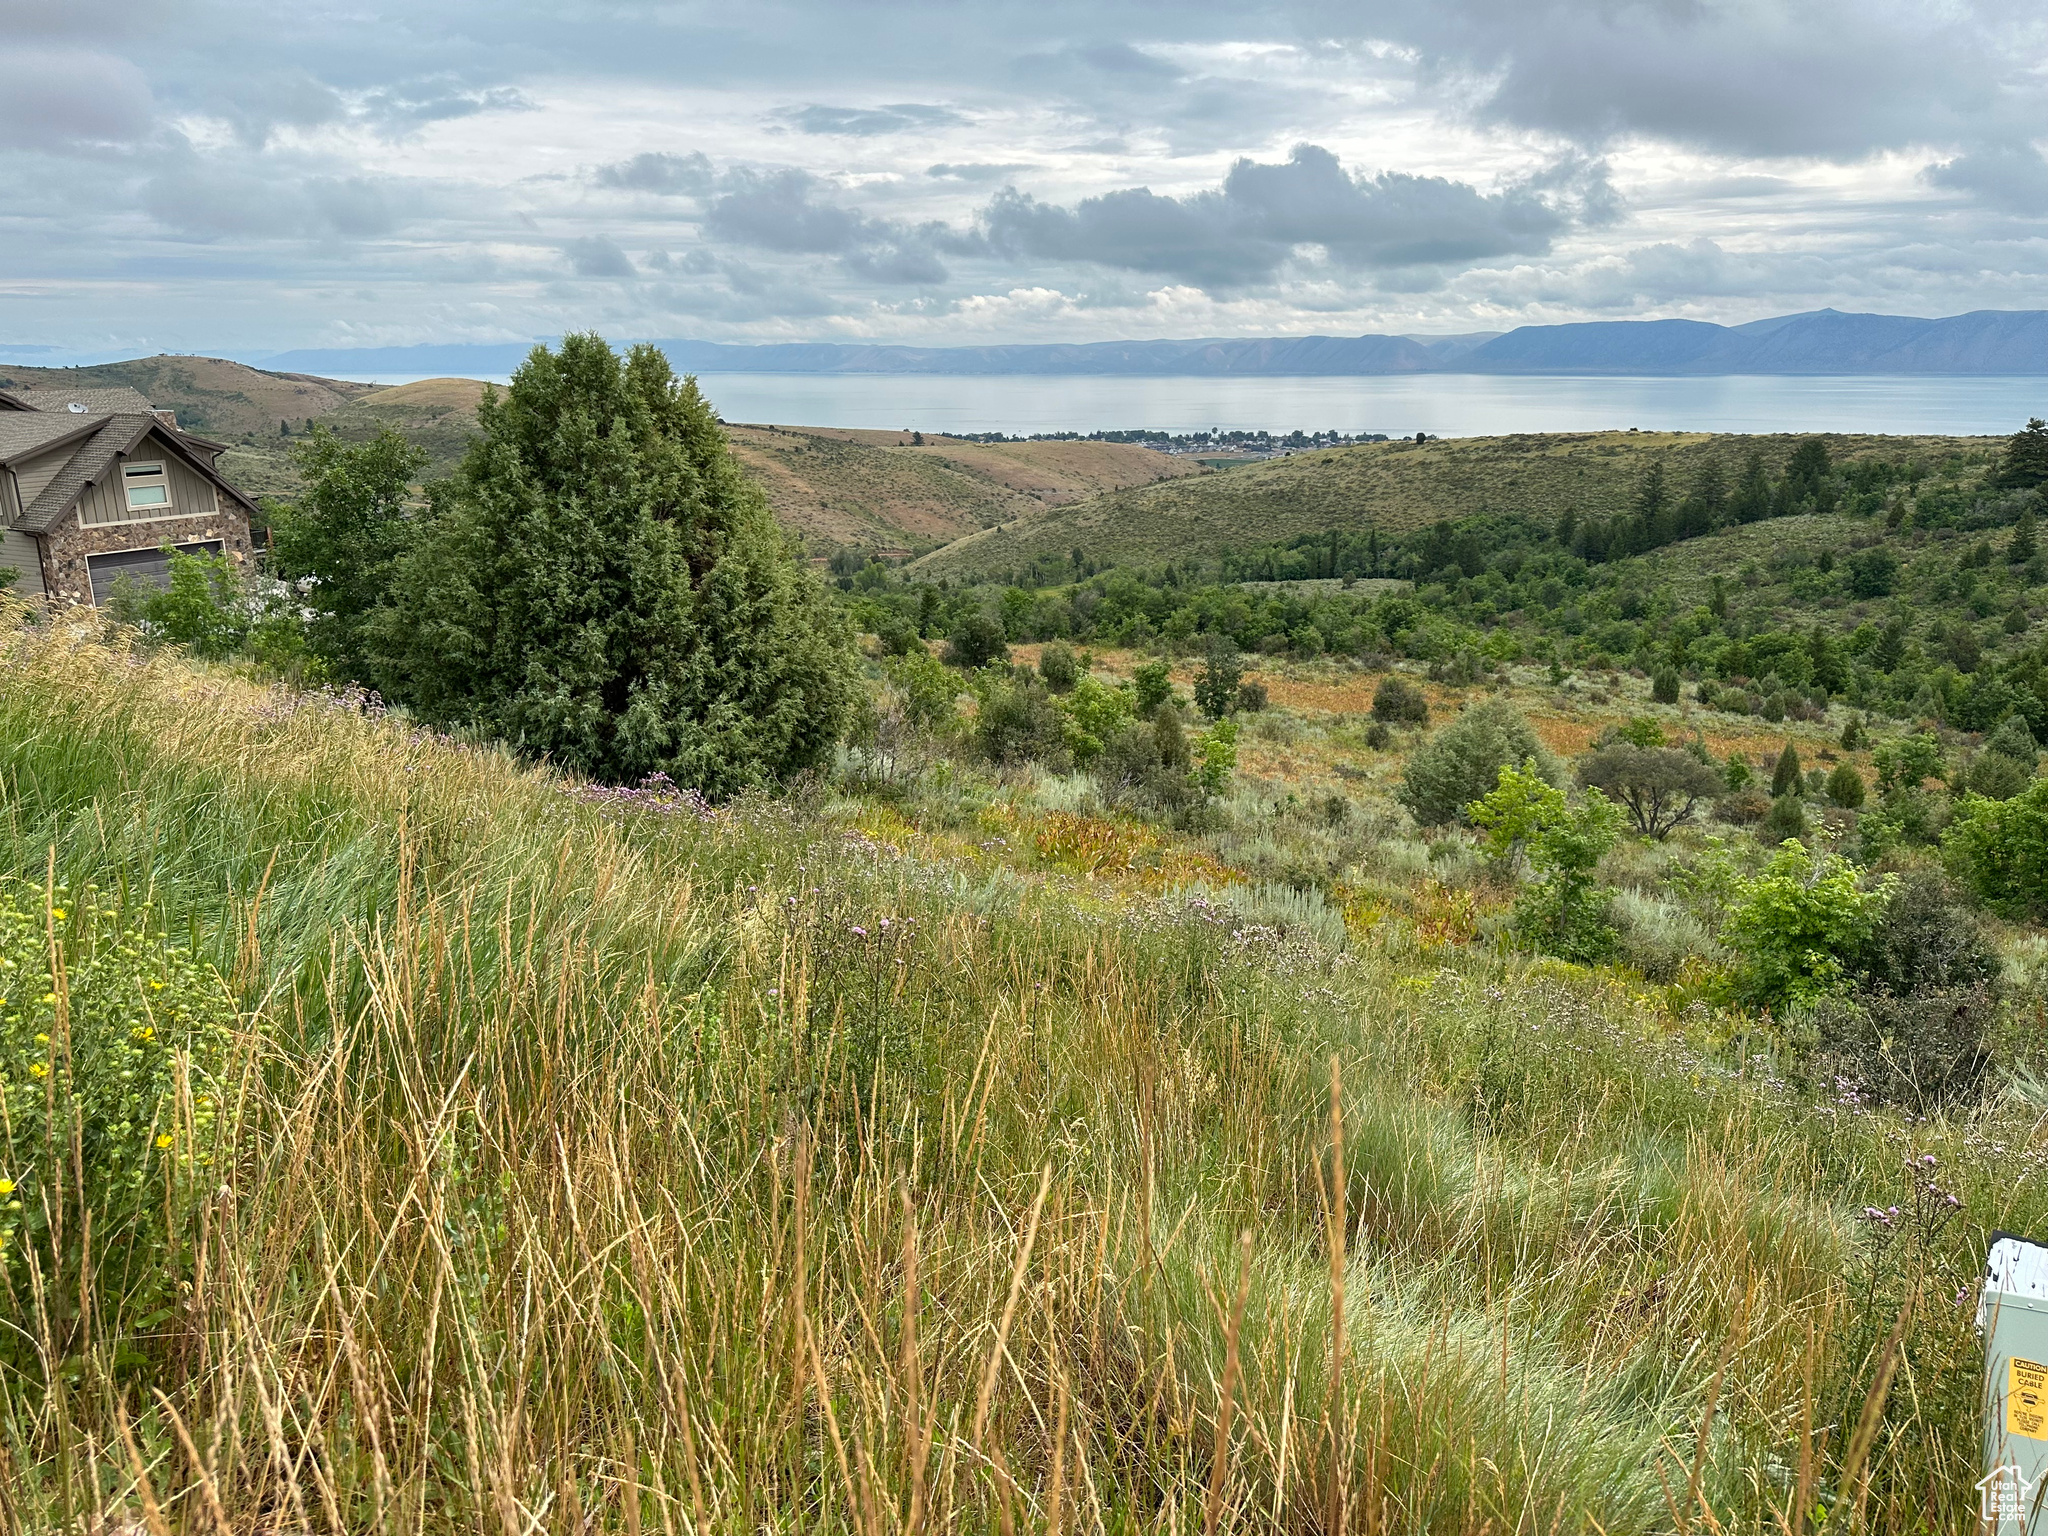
(1827,341)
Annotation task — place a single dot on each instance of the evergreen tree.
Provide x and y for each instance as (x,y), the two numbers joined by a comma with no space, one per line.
(1788,777)
(2025,465)
(1706,507)
(2025,545)
(1806,486)
(1752,500)
(1652,526)
(602,586)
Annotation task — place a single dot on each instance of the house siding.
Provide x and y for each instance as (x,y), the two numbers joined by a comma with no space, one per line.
(67,545)
(20,552)
(31,475)
(192,494)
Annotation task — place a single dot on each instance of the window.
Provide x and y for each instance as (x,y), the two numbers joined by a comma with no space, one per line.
(148,487)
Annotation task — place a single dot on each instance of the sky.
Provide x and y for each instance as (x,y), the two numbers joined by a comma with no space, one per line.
(223,176)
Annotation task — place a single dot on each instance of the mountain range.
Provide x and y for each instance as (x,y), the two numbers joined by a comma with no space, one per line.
(1825,341)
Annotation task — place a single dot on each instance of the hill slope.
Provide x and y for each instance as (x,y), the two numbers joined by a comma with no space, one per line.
(212,396)
(1391,486)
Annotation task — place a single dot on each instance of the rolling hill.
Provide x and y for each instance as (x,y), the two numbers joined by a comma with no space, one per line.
(212,396)
(1392,486)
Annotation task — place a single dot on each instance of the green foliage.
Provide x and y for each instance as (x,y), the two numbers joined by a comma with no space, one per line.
(111,1095)
(1873,572)
(1788,778)
(1396,701)
(1216,756)
(1925,940)
(1222,674)
(1995,776)
(1154,683)
(2025,464)
(1660,787)
(1095,712)
(1146,766)
(2015,741)
(977,640)
(345,534)
(1785,821)
(930,690)
(1909,762)
(1846,787)
(600,585)
(1565,913)
(2025,543)
(1462,762)
(1017,721)
(1057,666)
(1799,926)
(1999,850)
(1640,731)
(1664,686)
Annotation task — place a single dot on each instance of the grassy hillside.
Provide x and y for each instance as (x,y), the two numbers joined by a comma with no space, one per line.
(1391,486)
(871,490)
(212,397)
(953,1159)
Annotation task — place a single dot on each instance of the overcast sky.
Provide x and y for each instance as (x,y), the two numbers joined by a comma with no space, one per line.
(222,175)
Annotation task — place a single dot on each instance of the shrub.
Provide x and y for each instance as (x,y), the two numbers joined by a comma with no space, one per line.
(1999,850)
(1378,737)
(1924,1053)
(1846,788)
(1743,808)
(930,692)
(2014,740)
(1463,760)
(1251,697)
(1925,940)
(1799,926)
(1095,711)
(1145,766)
(1788,778)
(977,639)
(1218,683)
(1154,684)
(601,585)
(1785,820)
(1399,702)
(1873,572)
(1664,686)
(1908,763)
(92,1121)
(1995,776)
(1658,786)
(1057,666)
(1018,722)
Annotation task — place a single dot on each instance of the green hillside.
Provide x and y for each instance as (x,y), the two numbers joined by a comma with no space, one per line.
(1393,487)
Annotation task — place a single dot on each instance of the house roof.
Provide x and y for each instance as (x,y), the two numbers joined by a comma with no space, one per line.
(106,400)
(30,432)
(97,455)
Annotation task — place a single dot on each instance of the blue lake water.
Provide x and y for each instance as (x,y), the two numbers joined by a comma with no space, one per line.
(1445,404)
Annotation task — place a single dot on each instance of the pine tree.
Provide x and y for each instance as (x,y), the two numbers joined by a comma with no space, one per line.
(1653,510)
(600,585)
(1788,777)
(2024,545)
(2025,465)
(1752,500)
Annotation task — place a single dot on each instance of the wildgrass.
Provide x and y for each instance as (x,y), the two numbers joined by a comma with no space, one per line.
(611,1164)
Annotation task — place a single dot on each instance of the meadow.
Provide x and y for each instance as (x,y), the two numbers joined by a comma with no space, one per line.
(930,1149)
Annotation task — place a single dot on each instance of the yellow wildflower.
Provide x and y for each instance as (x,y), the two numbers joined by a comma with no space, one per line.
(42,1039)
(157,985)
(37,1069)
(163,1141)
(59,913)
(6,1186)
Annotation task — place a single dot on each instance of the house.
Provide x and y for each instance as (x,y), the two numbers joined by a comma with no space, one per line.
(95,483)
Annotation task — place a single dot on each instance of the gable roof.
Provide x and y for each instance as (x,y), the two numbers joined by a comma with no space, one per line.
(98,454)
(31,432)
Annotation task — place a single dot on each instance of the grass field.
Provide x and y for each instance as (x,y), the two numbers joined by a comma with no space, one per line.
(958,1163)
(1392,486)
(213,397)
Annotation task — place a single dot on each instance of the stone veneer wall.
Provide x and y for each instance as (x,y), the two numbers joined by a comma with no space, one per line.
(66,546)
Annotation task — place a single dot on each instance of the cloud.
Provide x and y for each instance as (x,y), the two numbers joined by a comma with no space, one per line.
(688,175)
(1265,214)
(207,203)
(58,97)
(975,171)
(872,122)
(785,211)
(405,108)
(2012,177)
(595,256)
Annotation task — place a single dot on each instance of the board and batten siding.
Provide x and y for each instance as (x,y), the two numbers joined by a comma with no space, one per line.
(19,552)
(192,494)
(32,475)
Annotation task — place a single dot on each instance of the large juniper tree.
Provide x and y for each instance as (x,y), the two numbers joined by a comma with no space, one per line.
(599,584)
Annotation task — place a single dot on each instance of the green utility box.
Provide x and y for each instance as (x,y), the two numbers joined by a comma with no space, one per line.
(2012,1315)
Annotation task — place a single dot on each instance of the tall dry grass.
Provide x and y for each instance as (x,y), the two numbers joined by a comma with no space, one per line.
(611,1167)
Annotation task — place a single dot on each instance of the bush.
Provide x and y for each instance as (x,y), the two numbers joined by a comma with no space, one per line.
(977,639)
(1462,762)
(1873,572)
(1019,723)
(94,1126)
(1251,697)
(1995,776)
(1846,788)
(1659,787)
(1095,711)
(1146,765)
(1217,685)
(1998,849)
(1057,666)
(1799,927)
(1154,684)
(1664,686)
(1925,940)
(1924,1053)
(1564,914)
(1785,820)
(1788,778)
(1399,702)
(1378,737)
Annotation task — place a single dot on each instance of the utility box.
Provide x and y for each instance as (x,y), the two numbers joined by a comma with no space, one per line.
(2012,1315)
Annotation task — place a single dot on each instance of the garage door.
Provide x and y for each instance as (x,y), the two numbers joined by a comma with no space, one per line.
(150,566)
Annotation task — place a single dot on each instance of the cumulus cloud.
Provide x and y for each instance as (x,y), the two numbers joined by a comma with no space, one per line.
(670,175)
(60,97)
(1266,214)
(2013,177)
(790,211)
(596,256)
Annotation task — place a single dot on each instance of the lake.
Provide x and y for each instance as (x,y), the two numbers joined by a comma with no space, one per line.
(1444,404)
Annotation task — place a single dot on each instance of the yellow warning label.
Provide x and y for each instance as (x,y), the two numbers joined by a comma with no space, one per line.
(2026,1399)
